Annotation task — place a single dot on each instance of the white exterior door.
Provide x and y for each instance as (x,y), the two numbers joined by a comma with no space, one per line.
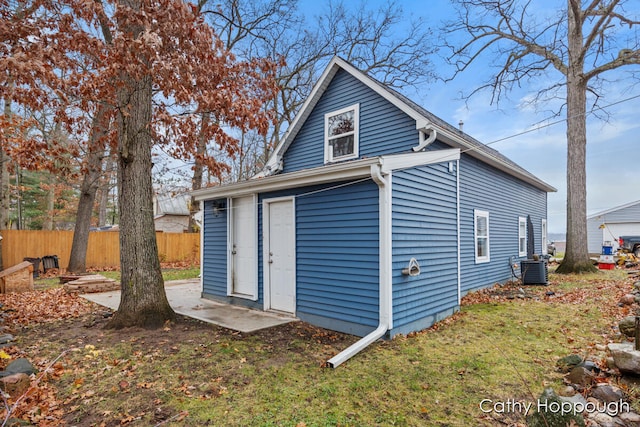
(280,256)
(243,248)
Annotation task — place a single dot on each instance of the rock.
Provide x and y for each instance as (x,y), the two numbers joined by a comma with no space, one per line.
(15,384)
(567,363)
(611,364)
(575,399)
(20,365)
(602,419)
(636,286)
(601,347)
(6,338)
(607,393)
(628,299)
(580,376)
(631,419)
(590,366)
(567,391)
(627,326)
(546,403)
(626,358)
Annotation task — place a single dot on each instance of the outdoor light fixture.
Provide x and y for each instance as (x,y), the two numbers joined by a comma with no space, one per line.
(218,206)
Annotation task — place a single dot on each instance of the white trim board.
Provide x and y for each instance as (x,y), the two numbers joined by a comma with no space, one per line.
(332,173)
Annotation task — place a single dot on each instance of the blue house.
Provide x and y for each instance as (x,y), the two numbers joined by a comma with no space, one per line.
(373,216)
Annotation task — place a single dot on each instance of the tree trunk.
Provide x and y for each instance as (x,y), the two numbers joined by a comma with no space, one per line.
(88,189)
(51,198)
(105,189)
(576,258)
(196,181)
(143,299)
(4,184)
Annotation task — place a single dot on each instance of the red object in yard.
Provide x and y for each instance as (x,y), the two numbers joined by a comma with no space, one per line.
(606,266)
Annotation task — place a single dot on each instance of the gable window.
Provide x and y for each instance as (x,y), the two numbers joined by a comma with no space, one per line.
(481,235)
(522,236)
(341,134)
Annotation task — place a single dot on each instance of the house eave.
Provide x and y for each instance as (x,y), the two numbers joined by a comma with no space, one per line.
(320,175)
(614,209)
(457,141)
(329,173)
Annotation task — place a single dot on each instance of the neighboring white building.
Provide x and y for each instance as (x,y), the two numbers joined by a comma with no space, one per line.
(607,226)
(171,212)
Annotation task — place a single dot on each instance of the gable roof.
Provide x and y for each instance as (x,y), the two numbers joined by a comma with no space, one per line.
(172,204)
(424,120)
(617,208)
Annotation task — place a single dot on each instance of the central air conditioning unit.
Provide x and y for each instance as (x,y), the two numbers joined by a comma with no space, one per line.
(534,272)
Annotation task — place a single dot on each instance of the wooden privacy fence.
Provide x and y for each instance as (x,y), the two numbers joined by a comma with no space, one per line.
(103,249)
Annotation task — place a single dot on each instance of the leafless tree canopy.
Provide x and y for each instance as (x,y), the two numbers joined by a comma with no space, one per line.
(528,41)
(383,42)
(572,50)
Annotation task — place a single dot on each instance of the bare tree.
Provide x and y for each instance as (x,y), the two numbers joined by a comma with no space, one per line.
(383,42)
(572,51)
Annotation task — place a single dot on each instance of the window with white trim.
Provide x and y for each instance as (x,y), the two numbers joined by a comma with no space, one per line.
(522,236)
(481,235)
(341,130)
(545,237)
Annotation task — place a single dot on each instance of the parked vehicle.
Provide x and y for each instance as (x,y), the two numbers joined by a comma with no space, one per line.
(630,244)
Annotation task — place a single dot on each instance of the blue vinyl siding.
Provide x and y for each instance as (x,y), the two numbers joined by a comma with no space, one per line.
(214,266)
(425,228)
(505,198)
(384,129)
(337,261)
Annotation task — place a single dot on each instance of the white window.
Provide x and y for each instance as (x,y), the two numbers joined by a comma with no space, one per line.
(545,238)
(481,236)
(341,134)
(522,236)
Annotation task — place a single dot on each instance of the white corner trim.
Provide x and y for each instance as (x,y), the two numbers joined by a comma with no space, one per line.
(202,225)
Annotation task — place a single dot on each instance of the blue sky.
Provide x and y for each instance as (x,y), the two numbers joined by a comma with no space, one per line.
(613,150)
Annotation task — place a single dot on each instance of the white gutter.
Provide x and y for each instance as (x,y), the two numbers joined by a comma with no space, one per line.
(385,297)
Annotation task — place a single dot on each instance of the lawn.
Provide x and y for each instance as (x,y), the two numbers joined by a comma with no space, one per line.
(502,345)
(167,274)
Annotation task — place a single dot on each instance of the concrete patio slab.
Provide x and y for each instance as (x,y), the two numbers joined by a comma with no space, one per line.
(184,298)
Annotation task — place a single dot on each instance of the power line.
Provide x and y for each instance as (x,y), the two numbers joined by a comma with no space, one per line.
(562,120)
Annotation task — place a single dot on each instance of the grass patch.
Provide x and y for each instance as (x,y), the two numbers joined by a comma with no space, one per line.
(167,274)
(499,350)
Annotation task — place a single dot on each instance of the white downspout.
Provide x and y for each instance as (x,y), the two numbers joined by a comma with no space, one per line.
(458,228)
(423,143)
(385,304)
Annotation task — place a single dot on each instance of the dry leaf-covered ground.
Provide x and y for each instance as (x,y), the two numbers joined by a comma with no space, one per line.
(191,373)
